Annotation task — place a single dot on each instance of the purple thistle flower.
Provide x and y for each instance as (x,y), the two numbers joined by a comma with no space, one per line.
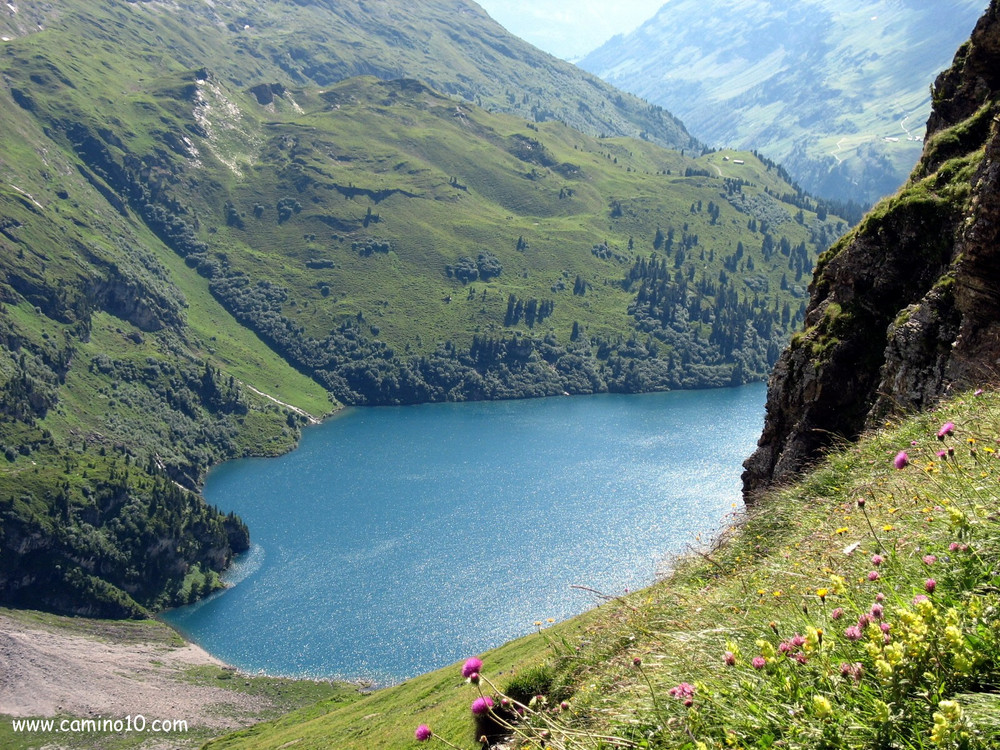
(784,647)
(880,597)
(471,667)
(853,633)
(948,428)
(901,460)
(758,662)
(877,611)
(929,585)
(729,658)
(684,690)
(942,454)
(482,705)
(837,613)
(423,733)
(873,576)
(929,559)
(885,627)
(798,641)
(877,560)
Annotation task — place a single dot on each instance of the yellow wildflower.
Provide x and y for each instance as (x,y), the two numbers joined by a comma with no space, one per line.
(822,706)
(963,664)
(883,668)
(894,653)
(954,636)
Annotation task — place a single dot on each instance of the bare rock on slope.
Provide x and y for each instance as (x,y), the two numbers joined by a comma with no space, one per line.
(907,306)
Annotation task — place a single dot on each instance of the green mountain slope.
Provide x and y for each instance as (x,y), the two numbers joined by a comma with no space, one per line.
(835,91)
(193,262)
(453,45)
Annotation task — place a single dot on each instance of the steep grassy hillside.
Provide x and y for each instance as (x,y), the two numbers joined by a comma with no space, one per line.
(855,609)
(197,260)
(835,91)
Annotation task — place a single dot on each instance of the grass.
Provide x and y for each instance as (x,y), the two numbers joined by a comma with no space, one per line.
(811,581)
(113,631)
(388,717)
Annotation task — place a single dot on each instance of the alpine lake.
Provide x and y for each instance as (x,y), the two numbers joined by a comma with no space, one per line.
(396,540)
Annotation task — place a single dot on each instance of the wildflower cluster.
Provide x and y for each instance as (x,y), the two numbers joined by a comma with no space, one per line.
(892,645)
(875,627)
(535,722)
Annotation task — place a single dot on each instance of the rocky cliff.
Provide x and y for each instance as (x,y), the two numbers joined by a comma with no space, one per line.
(907,305)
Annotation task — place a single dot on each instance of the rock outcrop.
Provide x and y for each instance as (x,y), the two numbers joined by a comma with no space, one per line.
(907,305)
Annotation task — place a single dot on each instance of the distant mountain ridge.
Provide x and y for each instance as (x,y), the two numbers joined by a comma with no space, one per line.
(834,90)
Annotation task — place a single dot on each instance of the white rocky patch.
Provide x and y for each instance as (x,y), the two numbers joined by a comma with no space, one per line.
(27,195)
(218,115)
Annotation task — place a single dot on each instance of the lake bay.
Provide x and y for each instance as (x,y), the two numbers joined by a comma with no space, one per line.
(396,540)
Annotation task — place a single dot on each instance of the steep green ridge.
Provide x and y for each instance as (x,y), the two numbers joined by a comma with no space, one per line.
(804,583)
(194,262)
(836,91)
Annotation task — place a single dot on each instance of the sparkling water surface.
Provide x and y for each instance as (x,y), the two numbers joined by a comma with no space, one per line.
(396,540)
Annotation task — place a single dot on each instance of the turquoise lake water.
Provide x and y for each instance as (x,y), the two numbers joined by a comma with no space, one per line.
(398,540)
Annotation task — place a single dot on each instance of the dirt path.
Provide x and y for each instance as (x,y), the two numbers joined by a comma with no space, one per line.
(111,670)
(297,410)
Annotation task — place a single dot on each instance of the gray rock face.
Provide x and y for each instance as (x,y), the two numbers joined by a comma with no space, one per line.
(907,306)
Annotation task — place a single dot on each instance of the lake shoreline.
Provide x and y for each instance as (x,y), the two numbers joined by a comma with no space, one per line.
(590,465)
